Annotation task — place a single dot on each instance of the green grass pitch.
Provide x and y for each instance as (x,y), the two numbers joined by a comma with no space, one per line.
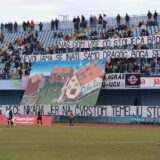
(78,143)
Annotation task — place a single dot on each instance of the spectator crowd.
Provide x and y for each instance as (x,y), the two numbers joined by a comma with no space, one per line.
(146,67)
(12,67)
(10,61)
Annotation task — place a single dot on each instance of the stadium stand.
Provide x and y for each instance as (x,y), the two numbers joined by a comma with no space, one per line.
(30,39)
(34,40)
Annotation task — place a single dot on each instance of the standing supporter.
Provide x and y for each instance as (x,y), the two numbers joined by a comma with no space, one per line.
(78,19)
(5,27)
(78,23)
(100,20)
(52,24)
(91,21)
(32,25)
(127,18)
(2,27)
(155,16)
(118,18)
(83,22)
(28,26)
(74,22)
(11,27)
(56,23)
(15,26)
(1,38)
(40,26)
(94,21)
(36,34)
(104,21)
(24,26)
(82,19)
(149,15)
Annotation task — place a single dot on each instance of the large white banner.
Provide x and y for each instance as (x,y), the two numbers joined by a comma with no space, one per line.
(93,55)
(150,83)
(103,111)
(110,42)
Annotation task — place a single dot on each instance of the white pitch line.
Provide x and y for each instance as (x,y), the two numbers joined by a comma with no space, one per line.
(75,144)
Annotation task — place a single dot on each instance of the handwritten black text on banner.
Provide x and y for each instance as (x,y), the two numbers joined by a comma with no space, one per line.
(93,55)
(110,42)
(120,111)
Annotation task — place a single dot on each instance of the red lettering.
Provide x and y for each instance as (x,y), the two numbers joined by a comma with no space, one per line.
(156,81)
(143,82)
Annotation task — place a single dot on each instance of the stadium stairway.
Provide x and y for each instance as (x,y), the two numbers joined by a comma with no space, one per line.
(83,32)
(47,39)
(134,27)
(152,30)
(11,37)
(158,33)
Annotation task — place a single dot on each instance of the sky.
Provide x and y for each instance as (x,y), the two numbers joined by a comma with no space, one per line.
(45,10)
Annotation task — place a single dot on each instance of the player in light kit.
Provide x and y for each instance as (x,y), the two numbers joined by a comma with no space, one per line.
(7,117)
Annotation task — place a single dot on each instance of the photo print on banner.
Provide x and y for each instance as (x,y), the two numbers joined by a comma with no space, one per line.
(70,82)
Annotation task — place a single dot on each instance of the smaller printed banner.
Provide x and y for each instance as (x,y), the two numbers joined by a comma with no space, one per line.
(27,120)
(150,82)
(114,81)
(132,80)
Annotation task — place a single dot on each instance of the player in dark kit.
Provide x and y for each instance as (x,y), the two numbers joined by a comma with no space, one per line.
(39,118)
(11,117)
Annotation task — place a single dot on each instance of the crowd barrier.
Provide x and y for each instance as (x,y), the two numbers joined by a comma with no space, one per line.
(112,120)
(26,120)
